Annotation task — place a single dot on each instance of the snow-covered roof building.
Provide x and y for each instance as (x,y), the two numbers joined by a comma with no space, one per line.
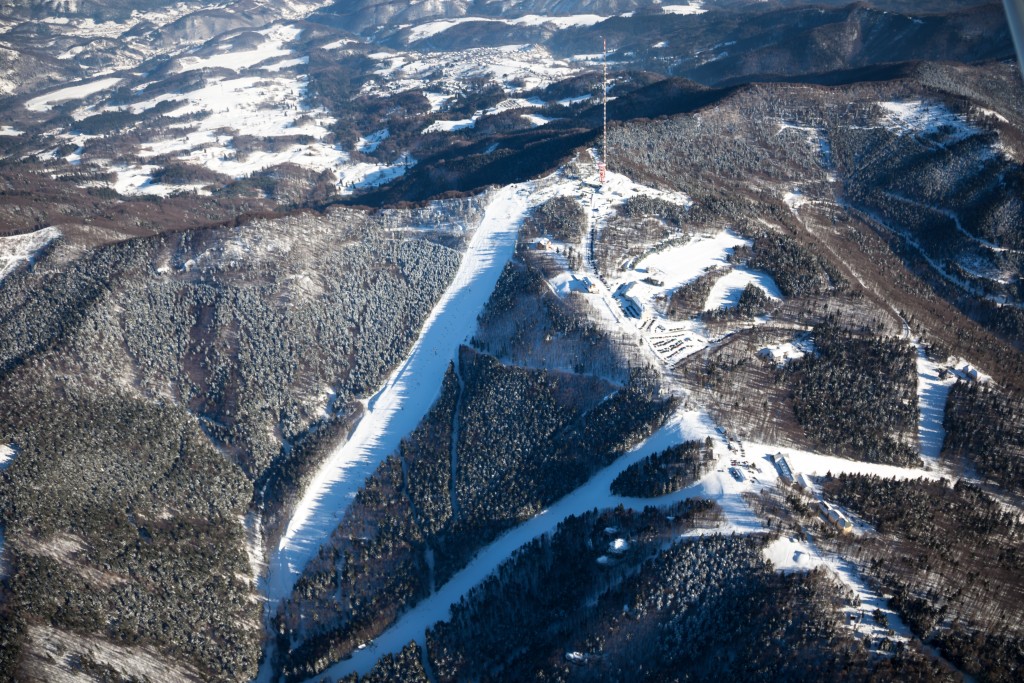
(782,465)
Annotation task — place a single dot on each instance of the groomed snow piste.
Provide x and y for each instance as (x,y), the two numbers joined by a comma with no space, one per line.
(395,410)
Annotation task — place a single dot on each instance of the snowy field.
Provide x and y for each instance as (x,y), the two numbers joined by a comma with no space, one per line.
(7,454)
(20,249)
(516,68)
(694,7)
(726,292)
(433,28)
(274,46)
(922,118)
(46,102)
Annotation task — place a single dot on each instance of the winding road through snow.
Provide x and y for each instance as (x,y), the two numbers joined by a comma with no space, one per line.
(401,403)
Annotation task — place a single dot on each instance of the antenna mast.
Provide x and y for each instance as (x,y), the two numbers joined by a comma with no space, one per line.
(602,166)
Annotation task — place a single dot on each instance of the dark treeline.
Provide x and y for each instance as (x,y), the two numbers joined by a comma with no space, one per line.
(150,385)
(525,323)
(123,522)
(857,396)
(688,301)
(985,425)
(752,302)
(562,218)
(797,271)
(406,667)
(670,470)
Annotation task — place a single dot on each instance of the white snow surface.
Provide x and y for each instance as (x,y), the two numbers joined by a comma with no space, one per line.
(932,393)
(286,64)
(819,465)
(685,262)
(966,370)
(433,28)
(239,106)
(370,143)
(7,454)
(444,126)
(19,249)
(919,118)
(791,554)
(398,407)
(74,92)
(516,68)
(274,46)
(9,131)
(727,290)
(691,8)
(782,353)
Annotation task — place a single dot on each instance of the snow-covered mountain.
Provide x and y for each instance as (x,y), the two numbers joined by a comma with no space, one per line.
(322,333)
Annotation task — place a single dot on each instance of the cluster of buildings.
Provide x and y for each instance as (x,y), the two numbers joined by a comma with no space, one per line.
(831,514)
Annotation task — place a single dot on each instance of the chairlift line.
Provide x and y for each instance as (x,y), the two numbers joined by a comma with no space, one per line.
(602,165)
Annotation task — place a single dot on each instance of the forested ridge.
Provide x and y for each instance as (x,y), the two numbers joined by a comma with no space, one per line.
(522,437)
(951,556)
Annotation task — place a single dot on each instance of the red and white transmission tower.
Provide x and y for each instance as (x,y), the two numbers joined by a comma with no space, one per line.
(602,165)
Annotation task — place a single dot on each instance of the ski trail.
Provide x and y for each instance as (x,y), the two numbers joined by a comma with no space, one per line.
(406,396)
(596,493)
(932,393)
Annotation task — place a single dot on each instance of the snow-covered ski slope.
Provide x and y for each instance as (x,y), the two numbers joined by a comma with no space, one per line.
(399,406)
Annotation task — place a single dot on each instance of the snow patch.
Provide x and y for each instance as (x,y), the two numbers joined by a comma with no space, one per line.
(277,37)
(433,28)
(691,8)
(8,131)
(682,263)
(794,199)
(966,370)
(933,385)
(7,454)
(791,555)
(538,120)
(19,249)
(370,143)
(788,351)
(727,290)
(286,64)
(75,92)
(449,126)
(818,465)
(923,118)
(994,114)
